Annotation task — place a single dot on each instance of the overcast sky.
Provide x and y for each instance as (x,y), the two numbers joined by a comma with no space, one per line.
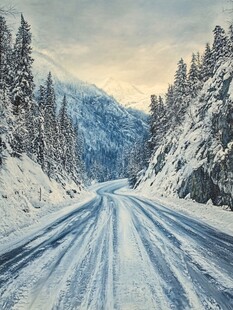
(137,41)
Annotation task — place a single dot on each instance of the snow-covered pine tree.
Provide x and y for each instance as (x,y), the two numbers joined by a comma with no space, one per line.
(207,67)
(22,87)
(5,55)
(71,150)
(153,120)
(138,157)
(169,107)
(63,124)
(169,97)
(22,84)
(42,153)
(157,118)
(199,67)
(180,90)
(180,83)
(67,141)
(134,164)
(52,140)
(81,171)
(193,77)
(219,48)
(160,105)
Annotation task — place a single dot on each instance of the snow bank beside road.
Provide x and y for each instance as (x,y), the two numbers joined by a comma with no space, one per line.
(219,217)
(27,194)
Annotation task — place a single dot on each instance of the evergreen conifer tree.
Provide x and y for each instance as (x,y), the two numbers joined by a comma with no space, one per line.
(153,120)
(180,90)
(207,67)
(219,49)
(5,55)
(22,87)
(193,77)
(51,129)
(42,152)
(22,84)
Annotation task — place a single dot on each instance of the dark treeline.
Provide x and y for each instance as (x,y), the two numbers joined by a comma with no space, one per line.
(30,123)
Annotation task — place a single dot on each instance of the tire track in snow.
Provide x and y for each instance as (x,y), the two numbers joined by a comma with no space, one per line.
(120,252)
(209,288)
(136,284)
(44,258)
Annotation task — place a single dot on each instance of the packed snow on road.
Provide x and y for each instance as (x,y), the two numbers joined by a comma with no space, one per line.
(119,251)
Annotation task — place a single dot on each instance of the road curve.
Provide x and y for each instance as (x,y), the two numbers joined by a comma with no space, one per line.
(120,252)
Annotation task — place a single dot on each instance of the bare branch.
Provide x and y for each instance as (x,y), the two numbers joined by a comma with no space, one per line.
(8,10)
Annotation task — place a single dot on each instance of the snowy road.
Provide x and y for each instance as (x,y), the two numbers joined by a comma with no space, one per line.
(120,252)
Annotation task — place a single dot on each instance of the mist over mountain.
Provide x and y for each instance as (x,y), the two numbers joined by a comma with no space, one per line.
(127,94)
(107,129)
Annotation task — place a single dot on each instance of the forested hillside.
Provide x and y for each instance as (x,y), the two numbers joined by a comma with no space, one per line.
(67,126)
(192,128)
(32,126)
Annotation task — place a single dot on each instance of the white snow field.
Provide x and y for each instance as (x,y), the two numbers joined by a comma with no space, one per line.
(119,251)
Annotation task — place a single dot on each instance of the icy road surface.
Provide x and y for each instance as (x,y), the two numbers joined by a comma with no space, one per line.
(120,252)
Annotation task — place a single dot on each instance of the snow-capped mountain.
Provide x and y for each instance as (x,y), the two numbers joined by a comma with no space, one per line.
(127,94)
(108,129)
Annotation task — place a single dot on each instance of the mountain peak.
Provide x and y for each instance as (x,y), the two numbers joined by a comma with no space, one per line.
(114,86)
(126,93)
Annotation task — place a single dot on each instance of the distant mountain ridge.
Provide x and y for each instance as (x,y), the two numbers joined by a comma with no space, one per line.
(127,94)
(107,128)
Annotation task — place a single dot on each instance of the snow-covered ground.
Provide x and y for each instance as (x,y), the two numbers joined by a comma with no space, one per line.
(119,251)
(27,195)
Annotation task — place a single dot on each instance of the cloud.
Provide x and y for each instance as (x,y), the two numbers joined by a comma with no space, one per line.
(139,41)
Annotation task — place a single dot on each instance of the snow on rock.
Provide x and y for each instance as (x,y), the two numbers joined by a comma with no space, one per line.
(27,193)
(195,158)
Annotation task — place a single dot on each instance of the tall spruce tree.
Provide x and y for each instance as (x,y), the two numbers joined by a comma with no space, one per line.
(80,151)
(207,66)
(67,141)
(64,129)
(169,97)
(219,48)
(42,153)
(153,120)
(51,128)
(193,77)
(180,90)
(5,56)
(22,87)
(199,58)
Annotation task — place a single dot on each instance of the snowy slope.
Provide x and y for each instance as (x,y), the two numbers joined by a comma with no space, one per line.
(27,193)
(127,94)
(106,127)
(196,158)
